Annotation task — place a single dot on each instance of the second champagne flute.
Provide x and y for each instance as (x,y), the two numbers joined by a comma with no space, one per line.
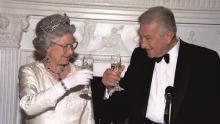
(87,63)
(116,66)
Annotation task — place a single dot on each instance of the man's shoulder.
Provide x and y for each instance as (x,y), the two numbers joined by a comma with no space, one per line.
(196,49)
(198,54)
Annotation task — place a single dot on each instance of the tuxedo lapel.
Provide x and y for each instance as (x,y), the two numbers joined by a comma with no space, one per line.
(147,86)
(181,80)
(144,67)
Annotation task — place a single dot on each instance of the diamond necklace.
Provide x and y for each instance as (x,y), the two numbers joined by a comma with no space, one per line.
(58,74)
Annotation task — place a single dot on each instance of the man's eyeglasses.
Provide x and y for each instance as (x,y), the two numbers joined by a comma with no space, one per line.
(72,46)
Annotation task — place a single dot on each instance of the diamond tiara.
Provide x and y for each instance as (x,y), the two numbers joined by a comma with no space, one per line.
(55,21)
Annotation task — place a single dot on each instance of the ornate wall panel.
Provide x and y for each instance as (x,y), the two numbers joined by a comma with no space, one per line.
(203,35)
(102,38)
(11,29)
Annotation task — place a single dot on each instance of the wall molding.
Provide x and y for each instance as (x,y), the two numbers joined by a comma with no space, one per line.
(186,11)
(130,4)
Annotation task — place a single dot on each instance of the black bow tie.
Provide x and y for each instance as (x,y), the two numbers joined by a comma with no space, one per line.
(166,58)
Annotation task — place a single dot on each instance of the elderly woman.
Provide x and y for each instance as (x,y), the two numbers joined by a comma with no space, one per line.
(50,87)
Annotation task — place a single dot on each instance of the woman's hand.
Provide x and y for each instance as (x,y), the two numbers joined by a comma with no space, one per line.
(80,77)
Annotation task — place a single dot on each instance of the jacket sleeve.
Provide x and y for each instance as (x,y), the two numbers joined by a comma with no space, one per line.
(33,101)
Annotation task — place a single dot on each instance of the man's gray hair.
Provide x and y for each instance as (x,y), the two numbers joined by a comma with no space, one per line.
(47,30)
(160,15)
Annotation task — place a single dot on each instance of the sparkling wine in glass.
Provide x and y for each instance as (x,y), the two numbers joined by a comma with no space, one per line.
(116,66)
(87,63)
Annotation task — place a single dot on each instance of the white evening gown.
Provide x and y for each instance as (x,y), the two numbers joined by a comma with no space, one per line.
(34,81)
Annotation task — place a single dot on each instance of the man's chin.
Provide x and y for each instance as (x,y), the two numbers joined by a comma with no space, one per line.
(150,55)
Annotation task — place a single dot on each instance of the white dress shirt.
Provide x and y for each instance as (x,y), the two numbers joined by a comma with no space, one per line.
(163,76)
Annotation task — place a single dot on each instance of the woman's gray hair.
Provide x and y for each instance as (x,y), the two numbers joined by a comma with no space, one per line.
(162,16)
(47,30)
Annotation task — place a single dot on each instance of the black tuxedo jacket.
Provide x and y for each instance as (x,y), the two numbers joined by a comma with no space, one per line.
(196,88)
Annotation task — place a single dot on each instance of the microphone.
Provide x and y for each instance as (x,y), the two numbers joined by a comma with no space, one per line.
(168,96)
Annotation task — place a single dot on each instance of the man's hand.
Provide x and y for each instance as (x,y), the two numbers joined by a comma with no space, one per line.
(110,77)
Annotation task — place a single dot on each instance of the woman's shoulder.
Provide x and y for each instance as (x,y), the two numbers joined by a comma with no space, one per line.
(31,66)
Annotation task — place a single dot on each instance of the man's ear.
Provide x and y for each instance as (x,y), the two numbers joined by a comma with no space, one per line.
(169,35)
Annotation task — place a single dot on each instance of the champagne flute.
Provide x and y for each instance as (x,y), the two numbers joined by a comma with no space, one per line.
(116,66)
(87,63)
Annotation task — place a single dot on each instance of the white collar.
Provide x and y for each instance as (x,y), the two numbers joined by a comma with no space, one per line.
(173,53)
